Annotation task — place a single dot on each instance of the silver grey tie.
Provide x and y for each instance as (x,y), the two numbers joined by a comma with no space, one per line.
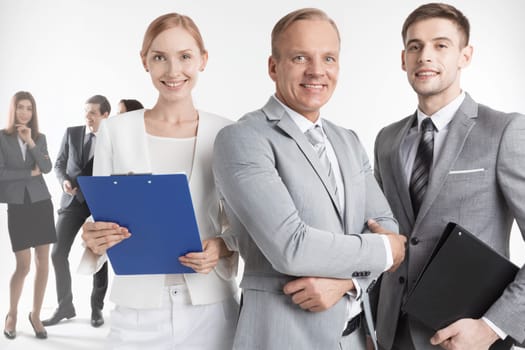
(316,137)
(422,165)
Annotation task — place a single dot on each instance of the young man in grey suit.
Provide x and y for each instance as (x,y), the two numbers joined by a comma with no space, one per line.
(75,158)
(298,208)
(467,167)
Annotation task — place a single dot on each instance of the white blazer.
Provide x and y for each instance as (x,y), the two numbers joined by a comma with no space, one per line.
(121,148)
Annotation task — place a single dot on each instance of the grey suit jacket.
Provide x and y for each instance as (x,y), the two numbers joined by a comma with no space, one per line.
(15,172)
(288,224)
(69,164)
(478,182)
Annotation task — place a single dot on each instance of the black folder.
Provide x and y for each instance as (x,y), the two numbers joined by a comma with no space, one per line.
(462,279)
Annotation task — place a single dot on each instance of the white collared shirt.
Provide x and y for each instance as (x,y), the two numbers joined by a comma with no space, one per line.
(23,147)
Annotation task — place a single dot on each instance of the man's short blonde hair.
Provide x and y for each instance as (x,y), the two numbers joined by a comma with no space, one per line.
(298,15)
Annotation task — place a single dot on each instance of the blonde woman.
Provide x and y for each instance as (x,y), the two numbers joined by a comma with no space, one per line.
(196,311)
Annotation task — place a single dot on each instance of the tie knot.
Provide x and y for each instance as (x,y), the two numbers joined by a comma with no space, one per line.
(427,125)
(315,135)
(89,139)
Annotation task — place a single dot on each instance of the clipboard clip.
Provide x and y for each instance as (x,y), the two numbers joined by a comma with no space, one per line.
(131,173)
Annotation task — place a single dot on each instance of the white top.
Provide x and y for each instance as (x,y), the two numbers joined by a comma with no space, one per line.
(171,155)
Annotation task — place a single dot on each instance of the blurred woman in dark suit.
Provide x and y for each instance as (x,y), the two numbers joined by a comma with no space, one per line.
(23,160)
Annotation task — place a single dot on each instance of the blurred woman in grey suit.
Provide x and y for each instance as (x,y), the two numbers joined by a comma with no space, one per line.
(23,160)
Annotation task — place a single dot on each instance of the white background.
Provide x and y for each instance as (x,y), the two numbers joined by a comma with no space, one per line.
(65,51)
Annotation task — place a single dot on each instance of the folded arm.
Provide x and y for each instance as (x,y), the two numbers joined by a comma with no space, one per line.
(246,174)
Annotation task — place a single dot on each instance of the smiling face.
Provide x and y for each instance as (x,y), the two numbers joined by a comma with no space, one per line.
(306,68)
(23,112)
(174,61)
(433,57)
(93,116)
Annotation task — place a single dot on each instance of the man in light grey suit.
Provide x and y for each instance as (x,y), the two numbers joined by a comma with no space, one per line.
(476,178)
(298,207)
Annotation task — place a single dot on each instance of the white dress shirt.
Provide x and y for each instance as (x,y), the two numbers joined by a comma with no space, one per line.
(23,147)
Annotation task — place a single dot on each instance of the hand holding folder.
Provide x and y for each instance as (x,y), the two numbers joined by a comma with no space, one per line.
(462,279)
(156,209)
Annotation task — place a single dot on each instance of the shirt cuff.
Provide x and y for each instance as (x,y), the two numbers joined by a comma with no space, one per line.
(495,328)
(388,249)
(90,262)
(355,294)
(353,303)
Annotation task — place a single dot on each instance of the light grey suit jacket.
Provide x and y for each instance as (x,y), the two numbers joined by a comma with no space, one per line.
(288,224)
(478,181)
(15,172)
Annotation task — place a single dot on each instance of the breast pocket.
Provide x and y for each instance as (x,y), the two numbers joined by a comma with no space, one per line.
(469,191)
(465,175)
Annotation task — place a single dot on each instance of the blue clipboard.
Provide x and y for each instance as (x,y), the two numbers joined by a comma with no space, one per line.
(156,209)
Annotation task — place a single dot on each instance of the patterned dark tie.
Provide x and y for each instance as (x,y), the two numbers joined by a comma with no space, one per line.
(316,138)
(422,165)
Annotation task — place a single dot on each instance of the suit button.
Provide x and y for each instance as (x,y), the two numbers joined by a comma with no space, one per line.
(414,240)
(402,280)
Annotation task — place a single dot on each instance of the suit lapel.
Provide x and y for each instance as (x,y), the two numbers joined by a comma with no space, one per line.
(77,139)
(13,140)
(274,111)
(459,129)
(30,160)
(202,142)
(398,168)
(340,149)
